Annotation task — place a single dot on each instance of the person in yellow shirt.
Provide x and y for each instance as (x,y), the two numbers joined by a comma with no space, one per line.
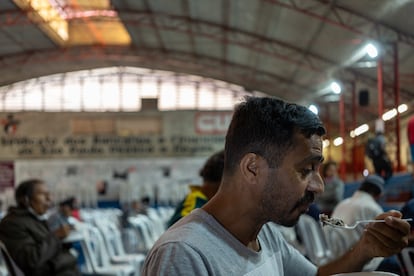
(211,174)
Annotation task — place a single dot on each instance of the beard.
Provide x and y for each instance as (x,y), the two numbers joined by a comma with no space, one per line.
(276,206)
(306,200)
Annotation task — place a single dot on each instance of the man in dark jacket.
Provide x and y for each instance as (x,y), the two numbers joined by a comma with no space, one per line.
(375,150)
(24,231)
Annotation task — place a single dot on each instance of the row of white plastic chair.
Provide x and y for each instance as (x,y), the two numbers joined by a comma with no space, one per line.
(102,245)
(100,255)
(147,228)
(109,248)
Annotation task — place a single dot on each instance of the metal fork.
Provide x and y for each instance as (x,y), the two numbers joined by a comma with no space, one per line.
(345,226)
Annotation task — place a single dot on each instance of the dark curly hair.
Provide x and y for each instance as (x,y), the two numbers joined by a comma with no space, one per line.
(212,170)
(25,191)
(266,126)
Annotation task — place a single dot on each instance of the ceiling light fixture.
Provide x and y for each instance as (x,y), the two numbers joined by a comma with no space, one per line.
(359,130)
(393,112)
(371,50)
(335,87)
(338,141)
(314,109)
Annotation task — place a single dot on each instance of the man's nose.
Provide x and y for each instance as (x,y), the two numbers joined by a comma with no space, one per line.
(316,184)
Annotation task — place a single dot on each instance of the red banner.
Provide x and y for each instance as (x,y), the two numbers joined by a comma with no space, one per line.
(6,175)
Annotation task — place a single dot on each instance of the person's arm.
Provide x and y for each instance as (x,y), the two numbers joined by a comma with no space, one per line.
(27,250)
(379,240)
(59,226)
(63,231)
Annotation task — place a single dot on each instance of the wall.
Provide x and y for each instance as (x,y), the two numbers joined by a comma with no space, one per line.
(130,154)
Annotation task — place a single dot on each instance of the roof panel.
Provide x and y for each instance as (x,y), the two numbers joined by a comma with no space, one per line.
(169,7)
(285,47)
(26,38)
(144,37)
(207,10)
(176,41)
(128,4)
(238,55)
(293,29)
(208,47)
(243,14)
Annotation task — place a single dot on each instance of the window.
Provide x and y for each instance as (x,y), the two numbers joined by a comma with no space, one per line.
(118,89)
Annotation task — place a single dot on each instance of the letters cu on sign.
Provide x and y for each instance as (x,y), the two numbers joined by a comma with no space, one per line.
(212,122)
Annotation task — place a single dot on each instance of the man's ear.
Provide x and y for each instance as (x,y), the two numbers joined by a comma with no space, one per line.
(249,166)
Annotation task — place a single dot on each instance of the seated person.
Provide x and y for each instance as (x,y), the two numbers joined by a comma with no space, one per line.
(362,205)
(27,237)
(334,188)
(60,221)
(134,208)
(211,174)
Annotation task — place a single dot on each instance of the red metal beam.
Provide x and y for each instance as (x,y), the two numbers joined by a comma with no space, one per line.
(397,103)
(343,134)
(354,125)
(380,86)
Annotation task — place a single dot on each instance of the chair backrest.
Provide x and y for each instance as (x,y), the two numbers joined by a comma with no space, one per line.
(338,240)
(143,226)
(3,268)
(407,256)
(12,268)
(313,239)
(94,249)
(117,239)
(109,237)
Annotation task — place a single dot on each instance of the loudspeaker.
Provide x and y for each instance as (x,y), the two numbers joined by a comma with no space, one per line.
(364,97)
(149,103)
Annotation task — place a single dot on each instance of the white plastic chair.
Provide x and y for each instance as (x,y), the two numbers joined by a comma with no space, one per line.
(97,261)
(113,241)
(3,267)
(407,255)
(8,266)
(143,226)
(338,240)
(157,222)
(313,239)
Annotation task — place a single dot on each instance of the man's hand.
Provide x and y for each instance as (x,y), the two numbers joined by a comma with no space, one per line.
(380,239)
(383,239)
(63,231)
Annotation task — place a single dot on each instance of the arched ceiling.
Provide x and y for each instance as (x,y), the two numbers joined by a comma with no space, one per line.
(290,49)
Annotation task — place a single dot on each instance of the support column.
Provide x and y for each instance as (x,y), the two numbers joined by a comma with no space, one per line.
(327,122)
(354,140)
(397,103)
(342,169)
(380,87)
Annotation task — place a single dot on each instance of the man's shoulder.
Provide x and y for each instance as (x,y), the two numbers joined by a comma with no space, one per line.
(194,228)
(16,214)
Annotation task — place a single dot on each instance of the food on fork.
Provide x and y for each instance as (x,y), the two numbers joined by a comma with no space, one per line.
(325,219)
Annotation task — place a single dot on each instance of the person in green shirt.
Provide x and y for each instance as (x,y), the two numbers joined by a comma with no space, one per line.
(211,174)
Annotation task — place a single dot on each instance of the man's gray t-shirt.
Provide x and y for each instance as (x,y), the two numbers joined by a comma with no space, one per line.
(198,245)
